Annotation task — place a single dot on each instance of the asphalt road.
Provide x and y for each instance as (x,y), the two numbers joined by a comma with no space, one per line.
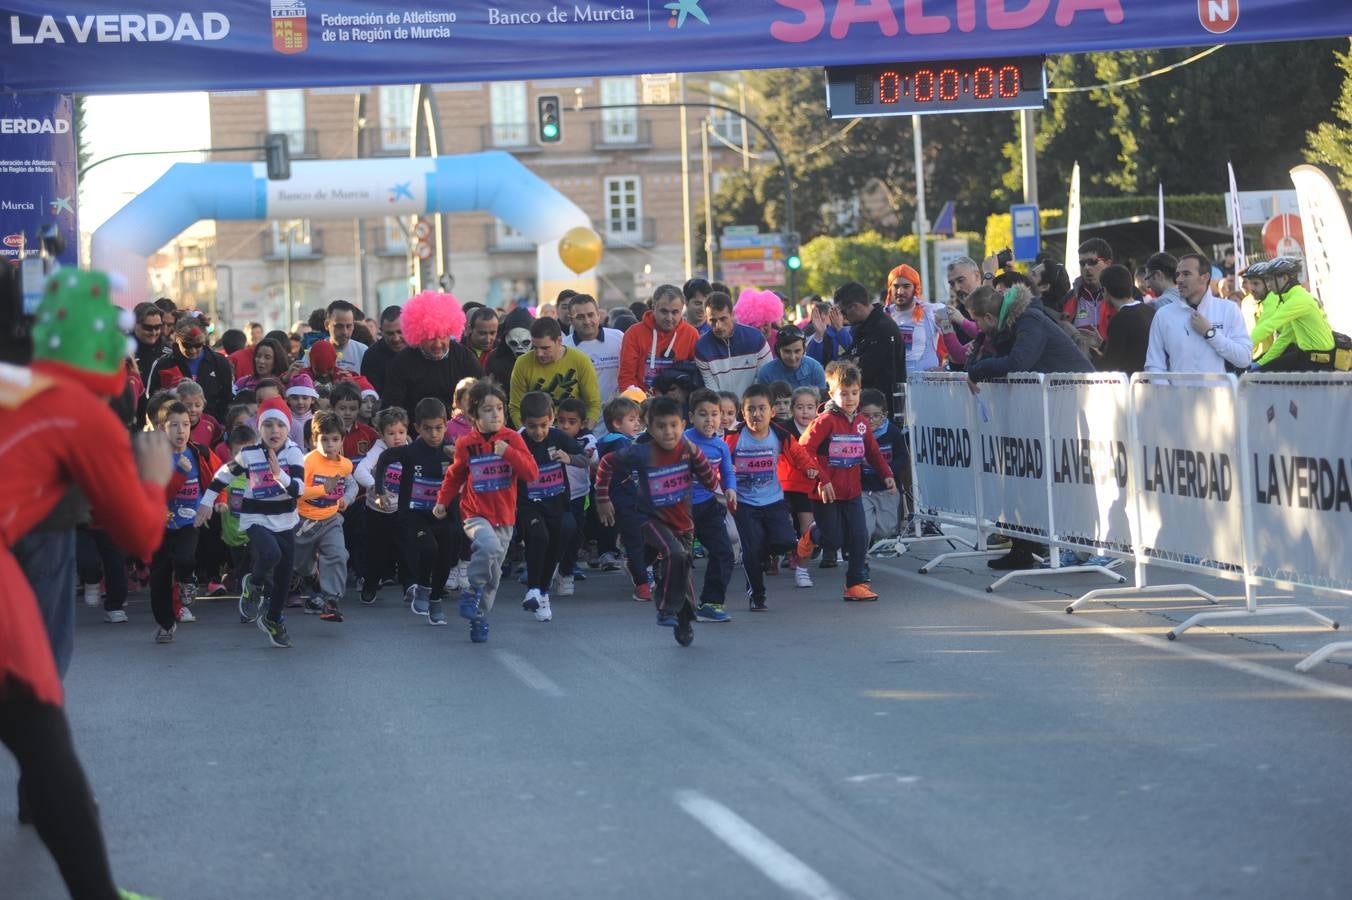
(941,743)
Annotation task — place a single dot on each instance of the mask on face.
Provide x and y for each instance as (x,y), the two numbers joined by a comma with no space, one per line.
(518,339)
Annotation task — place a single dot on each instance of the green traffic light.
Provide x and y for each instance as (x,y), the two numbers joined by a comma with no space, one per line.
(551,130)
(794,262)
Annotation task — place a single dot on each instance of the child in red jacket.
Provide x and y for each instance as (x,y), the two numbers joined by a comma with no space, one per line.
(488,462)
(841,439)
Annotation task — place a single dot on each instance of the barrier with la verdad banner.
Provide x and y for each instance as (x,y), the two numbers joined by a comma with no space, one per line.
(1203,474)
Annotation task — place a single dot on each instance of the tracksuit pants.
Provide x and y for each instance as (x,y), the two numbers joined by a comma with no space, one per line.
(840,526)
(488,550)
(323,541)
(675,552)
(544,533)
(711,528)
(175,560)
(434,548)
(273,556)
(765,531)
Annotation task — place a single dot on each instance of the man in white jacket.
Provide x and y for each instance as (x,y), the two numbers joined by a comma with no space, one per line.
(1202,333)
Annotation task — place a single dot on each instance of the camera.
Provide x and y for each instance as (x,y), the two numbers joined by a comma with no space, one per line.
(1005,258)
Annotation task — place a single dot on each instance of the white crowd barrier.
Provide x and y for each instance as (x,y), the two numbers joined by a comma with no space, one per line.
(1193,474)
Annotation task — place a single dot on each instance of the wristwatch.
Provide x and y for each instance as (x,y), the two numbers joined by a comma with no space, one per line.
(1210,333)
(987,276)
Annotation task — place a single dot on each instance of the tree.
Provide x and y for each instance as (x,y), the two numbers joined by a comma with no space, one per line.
(1330,143)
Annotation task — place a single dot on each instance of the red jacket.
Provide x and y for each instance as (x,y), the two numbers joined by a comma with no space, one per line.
(841,444)
(793,463)
(791,476)
(644,344)
(484,481)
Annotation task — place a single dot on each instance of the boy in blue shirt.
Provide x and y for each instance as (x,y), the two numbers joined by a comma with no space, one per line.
(706,509)
(177,555)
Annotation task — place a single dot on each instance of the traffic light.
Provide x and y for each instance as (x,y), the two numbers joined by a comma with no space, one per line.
(278,155)
(550,118)
(791,258)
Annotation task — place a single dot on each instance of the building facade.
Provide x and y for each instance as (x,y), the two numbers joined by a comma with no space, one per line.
(621,166)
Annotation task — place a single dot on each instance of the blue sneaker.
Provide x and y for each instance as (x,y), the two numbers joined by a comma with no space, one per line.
(478,629)
(665,620)
(418,601)
(698,550)
(709,612)
(1100,561)
(469,603)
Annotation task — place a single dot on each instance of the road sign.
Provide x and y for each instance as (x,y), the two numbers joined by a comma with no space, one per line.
(731,241)
(945,252)
(1027,231)
(741,229)
(422,230)
(1256,207)
(754,271)
(657,88)
(423,250)
(1283,235)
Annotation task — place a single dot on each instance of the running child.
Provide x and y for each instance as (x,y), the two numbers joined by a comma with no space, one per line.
(301,397)
(177,556)
(781,397)
(571,419)
(763,522)
(423,464)
(543,517)
(206,431)
(729,404)
(664,465)
(276,470)
(709,509)
(798,488)
(329,490)
(622,422)
(232,535)
(488,463)
(384,551)
(841,440)
(358,439)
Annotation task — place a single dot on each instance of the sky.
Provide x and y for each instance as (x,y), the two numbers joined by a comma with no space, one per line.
(127,123)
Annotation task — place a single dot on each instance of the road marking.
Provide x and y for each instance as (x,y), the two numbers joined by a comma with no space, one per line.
(773,861)
(1302,683)
(528,674)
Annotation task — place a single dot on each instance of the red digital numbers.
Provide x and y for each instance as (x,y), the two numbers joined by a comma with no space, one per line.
(925,85)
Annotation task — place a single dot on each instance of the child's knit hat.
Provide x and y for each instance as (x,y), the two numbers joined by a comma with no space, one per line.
(79,333)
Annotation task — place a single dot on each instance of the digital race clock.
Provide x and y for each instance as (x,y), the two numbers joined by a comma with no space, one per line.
(903,89)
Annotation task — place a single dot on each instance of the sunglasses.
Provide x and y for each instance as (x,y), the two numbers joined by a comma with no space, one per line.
(144,327)
(188,346)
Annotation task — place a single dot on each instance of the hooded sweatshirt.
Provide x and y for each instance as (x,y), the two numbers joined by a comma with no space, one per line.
(502,360)
(647,351)
(841,445)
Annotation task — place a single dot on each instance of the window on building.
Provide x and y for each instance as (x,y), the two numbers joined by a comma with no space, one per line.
(619,126)
(393,237)
(507,105)
(393,292)
(507,236)
(300,236)
(396,116)
(624,206)
(286,115)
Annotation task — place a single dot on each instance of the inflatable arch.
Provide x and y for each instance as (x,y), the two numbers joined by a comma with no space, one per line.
(332,189)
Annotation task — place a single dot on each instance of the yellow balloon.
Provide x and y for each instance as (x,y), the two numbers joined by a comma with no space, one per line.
(580,249)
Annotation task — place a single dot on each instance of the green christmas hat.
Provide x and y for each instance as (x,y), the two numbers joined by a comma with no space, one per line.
(78,332)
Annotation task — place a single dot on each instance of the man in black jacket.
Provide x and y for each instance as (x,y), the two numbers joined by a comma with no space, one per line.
(379,354)
(877,347)
(196,361)
(430,369)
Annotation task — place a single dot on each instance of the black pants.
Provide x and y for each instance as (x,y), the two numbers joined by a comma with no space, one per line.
(434,547)
(98,558)
(176,559)
(1294,359)
(840,526)
(544,533)
(765,531)
(273,555)
(577,509)
(675,554)
(57,796)
(355,537)
(384,550)
(712,530)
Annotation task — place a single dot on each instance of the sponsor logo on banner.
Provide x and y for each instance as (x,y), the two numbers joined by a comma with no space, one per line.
(34,126)
(1218,16)
(122,28)
(13,240)
(289,19)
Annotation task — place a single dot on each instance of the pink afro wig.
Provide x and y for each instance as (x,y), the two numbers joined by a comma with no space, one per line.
(432,314)
(756,308)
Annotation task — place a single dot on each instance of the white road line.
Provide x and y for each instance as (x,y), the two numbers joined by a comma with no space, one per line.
(1178,648)
(529,675)
(774,862)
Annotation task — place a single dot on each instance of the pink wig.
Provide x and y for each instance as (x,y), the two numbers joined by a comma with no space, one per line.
(757,308)
(432,314)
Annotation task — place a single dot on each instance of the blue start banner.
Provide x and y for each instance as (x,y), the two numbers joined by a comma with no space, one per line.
(150,45)
(37,174)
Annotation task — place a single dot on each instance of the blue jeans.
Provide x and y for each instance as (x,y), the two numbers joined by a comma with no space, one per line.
(840,526)
(48,560)
(710,518)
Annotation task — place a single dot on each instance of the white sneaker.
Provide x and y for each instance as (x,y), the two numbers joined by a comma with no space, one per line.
(801,577)
(532,601)
(91,594)
(462,572)
(185,615)
(543,613)
(566,586)
(115,615)
(453,579)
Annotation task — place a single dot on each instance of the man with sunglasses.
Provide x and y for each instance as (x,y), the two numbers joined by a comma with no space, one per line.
(1086,308)
(149,333)
(193,359)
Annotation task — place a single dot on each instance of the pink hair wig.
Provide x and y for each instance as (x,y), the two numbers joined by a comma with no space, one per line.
(757,308)
(432,314)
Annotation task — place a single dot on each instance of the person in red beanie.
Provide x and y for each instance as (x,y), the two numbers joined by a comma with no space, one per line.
(60,431)
(323,362)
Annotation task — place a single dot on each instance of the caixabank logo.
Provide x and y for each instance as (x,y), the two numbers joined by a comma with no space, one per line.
(1218,16)
(289,20)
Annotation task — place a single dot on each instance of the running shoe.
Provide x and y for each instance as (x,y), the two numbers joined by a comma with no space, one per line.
(566,586)
(859,592)
(665,620)
(469,603)
(772,566)
(643,593)
(314,605)
(697,550)
(248,599)
(185,615)
(91,594)
(478,629)
(758,604)
(685,630)
(805,543)
(369,591)
(436,615)
(114,616)
(609,562)
(711,612)
(543,613)
(165,635)
(187,592)
(532,601)
(275,630)
(331,611)
(421,594)
(462,573)
(802,577)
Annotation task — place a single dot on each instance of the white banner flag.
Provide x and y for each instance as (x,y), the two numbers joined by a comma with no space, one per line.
(1328,244)
(1236,223)
(1161,218)
(1073,226)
